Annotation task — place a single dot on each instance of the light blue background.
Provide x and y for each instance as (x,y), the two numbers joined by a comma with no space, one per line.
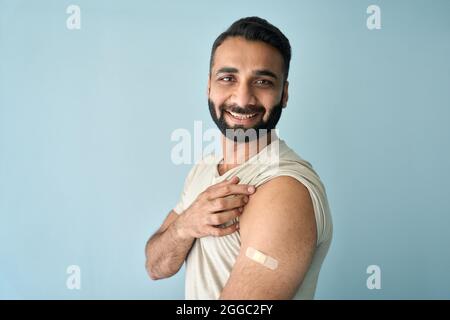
(86,118)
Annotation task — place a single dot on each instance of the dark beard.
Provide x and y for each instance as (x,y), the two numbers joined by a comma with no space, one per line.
(239,133)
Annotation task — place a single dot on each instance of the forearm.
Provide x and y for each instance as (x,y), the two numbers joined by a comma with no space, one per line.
(166,252)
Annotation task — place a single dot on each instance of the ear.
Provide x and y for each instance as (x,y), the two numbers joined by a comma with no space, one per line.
(285,94)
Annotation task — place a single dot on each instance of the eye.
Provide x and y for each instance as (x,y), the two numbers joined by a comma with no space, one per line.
(226,79)
(264,83)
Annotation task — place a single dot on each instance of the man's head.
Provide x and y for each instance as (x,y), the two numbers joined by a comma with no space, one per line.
(249,67)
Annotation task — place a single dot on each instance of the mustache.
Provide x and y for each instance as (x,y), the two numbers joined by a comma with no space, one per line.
(242,110)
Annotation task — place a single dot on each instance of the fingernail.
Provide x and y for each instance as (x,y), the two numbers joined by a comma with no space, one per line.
(251,189)
(241,209)
(245,199)
(237,225)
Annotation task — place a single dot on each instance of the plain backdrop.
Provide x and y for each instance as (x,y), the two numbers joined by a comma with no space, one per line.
(86,118)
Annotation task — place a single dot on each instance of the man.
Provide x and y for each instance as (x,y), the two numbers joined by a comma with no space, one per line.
(247,229)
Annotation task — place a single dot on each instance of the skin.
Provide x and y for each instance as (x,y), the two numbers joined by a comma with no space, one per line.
(278,218)
(278,221)
(246,73)
(167,249)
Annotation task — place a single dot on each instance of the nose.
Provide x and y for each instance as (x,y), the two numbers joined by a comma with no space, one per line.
(243,96)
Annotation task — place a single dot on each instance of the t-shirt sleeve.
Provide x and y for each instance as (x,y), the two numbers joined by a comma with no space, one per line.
(308,177)
(181,205)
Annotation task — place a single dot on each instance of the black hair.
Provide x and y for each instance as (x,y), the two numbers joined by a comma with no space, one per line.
(256,29)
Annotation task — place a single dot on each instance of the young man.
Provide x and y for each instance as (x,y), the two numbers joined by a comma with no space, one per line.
(247,229)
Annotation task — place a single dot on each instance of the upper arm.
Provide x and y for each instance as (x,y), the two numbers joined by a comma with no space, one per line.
(279,221)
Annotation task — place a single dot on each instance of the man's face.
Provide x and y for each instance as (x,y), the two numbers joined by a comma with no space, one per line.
(246,87)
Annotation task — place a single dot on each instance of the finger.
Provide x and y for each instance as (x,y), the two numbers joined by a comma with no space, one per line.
(220,232)
(223,217)
(222,204)
(210,189)
(232,180)
(229,189)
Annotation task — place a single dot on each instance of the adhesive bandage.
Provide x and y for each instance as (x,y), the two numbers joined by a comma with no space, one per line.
(261,258)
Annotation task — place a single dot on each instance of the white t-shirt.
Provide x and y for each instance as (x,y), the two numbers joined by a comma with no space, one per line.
(211,259)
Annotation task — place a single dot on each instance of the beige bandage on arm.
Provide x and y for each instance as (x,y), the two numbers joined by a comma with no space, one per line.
(261,258)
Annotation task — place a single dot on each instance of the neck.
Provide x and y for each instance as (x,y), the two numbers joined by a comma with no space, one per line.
(236,153)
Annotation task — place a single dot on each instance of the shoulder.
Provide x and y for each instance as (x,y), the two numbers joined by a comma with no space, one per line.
(278,221)
(304,184)
(281,210)
(285,162)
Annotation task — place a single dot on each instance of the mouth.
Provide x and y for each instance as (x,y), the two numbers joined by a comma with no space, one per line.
(241,118)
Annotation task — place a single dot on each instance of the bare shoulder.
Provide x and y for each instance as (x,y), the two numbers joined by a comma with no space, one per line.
(278,221)
(284,203)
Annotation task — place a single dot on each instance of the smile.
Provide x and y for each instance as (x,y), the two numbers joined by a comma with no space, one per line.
(240,116)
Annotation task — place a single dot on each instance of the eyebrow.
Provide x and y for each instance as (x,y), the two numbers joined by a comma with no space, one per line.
(265,72)
(260,72)
(227,70)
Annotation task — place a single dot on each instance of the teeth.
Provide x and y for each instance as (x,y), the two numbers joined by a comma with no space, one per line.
(242,116)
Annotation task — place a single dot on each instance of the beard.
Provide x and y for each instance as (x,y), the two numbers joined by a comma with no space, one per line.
(238,133)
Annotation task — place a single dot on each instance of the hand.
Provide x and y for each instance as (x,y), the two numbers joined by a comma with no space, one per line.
(217,205)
